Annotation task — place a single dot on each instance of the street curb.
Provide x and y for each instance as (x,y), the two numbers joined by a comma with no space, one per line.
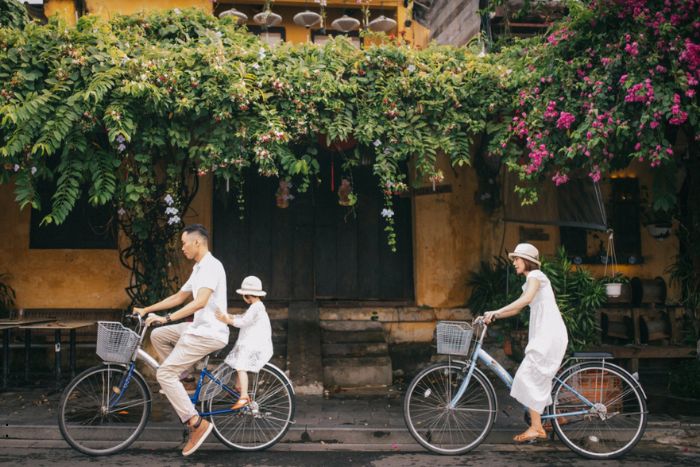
(308,438)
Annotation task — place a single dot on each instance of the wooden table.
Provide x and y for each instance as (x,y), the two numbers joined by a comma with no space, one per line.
(56,327)
(7,325)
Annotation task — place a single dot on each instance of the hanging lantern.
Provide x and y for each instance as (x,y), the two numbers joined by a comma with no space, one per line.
(241,18)
(382,24)
(345,24)
(282,196)
(307,18)
(267,18)
(346,197)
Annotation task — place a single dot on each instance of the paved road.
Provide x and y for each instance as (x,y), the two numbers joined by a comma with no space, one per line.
(648,454)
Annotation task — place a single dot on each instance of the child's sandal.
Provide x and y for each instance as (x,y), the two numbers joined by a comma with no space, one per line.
(240,403)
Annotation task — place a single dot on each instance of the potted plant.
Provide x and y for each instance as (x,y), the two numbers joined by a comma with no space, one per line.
(7,296)
(658,214)
(578,295)
(612,282)
(615,285)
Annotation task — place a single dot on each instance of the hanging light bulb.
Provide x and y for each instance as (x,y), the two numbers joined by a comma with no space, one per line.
(345,24)
(382,24)
(241,17)
(267,18)
(307,18)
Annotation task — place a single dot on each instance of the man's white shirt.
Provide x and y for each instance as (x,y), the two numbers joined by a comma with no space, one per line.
(208,273)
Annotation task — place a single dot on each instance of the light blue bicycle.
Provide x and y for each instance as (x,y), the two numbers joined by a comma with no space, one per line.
(598,409)
(105,408)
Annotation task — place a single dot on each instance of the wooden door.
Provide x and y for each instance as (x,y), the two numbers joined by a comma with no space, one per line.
(315,248)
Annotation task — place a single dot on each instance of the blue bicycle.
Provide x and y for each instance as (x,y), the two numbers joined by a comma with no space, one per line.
(598,409)
(105,408)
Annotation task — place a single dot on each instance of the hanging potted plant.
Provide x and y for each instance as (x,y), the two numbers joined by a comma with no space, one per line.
(657,215)
(613,285)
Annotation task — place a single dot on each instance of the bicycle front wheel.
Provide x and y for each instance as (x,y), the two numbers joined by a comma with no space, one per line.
(614,424)
(443,429)
(97,415)
(264,421)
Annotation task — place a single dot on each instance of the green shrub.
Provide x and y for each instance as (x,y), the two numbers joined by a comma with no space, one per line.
(684,380)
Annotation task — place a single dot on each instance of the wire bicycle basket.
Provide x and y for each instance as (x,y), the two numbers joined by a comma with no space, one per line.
(454,337)
(115,343)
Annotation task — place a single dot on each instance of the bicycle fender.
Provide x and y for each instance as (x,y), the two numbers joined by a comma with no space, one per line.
(284,375)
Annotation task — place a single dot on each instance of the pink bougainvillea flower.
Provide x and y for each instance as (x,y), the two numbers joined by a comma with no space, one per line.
(565,120)
(560,179)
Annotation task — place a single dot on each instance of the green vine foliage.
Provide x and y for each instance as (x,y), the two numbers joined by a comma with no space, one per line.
(13,14)
(137,107)
(7,296)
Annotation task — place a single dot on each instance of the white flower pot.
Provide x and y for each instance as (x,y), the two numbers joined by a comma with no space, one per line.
(613,289)
(659,231)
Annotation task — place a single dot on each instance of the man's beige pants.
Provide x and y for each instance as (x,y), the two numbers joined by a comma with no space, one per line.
(179,352)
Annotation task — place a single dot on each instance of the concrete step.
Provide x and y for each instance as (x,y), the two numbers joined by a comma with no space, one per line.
(347,325)
(339,337)
(304,348)
(355,349)
(357,371)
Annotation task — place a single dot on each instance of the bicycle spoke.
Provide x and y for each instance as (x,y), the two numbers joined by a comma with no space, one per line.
(88,423)
(436,425)
(261,423)
(616,421)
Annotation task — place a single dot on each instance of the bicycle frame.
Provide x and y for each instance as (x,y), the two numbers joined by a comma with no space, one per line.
(480,355)
(140,354)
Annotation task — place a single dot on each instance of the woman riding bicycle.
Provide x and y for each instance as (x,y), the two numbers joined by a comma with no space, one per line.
(547,339)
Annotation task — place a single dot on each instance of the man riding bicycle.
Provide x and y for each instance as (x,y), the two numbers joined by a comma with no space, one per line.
(182,345)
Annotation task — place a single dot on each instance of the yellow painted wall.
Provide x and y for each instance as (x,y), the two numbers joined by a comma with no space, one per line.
(107,8)
(447,239)
(56,278)
(65,9)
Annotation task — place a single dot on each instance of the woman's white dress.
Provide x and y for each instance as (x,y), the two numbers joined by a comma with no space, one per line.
(547,341)
(253,348)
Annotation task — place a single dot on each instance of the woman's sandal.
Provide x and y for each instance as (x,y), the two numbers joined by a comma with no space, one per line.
(528,437)
(240,403)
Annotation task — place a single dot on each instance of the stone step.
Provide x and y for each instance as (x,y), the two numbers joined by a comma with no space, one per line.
(347,325)
(279,326)
(355,349)
(339,337)
(357,371)
(304,348)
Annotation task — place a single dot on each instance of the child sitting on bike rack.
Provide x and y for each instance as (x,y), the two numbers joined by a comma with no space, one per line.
(253,348)
(547,339)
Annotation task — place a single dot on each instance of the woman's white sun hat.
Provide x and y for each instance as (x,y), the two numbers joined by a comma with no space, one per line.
(526,251)
(251,285)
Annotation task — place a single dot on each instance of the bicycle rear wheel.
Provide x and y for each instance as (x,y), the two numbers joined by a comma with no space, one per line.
(445,430)
(264,421)
(98,416)
(615,423)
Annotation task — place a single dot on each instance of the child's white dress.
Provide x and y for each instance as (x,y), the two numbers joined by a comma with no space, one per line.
(253,348)
(547,341)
